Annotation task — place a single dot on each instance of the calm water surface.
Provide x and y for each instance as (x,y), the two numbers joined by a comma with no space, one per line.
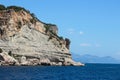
(88,72)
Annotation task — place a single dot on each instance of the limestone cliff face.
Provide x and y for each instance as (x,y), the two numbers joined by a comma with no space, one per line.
(24,40)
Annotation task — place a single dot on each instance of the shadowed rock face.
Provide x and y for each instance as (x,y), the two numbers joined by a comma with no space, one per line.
(1,58)
(24,41)
(67,43)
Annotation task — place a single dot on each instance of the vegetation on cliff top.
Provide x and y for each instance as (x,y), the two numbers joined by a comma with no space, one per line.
(46,25)
(17,9)
(33,20)
(2,7)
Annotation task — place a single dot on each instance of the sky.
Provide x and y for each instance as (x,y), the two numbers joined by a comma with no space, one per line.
(93,26)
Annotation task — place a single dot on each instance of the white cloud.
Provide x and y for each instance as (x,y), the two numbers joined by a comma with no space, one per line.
(74,31)
(71,31)
(97,45)
(85,45)
(81,32)
(89,45)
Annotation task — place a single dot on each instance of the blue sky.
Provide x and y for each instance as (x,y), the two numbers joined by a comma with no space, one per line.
(93,26)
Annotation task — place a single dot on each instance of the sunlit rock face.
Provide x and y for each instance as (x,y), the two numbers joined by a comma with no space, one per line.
(24,40)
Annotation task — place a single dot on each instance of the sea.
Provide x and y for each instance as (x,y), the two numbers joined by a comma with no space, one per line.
(87,72)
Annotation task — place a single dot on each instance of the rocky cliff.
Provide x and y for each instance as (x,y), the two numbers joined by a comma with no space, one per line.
(25,40)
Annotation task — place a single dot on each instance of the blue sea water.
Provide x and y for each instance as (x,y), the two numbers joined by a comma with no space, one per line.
(87,72)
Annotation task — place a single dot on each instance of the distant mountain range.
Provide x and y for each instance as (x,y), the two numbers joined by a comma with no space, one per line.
(94,59)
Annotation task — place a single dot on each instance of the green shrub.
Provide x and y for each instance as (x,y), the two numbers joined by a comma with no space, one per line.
(10,53)
(2,7)
(1,50)
(19,25)
(34,18)
(33,15)
(61,38)
(17,8)
(47,27)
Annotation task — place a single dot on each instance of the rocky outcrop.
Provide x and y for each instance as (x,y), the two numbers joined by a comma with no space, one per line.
(24,40)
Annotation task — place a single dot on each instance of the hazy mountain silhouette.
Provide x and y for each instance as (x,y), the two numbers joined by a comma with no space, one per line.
(94,59)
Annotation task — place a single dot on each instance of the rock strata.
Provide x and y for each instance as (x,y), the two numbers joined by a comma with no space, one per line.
(25,40)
